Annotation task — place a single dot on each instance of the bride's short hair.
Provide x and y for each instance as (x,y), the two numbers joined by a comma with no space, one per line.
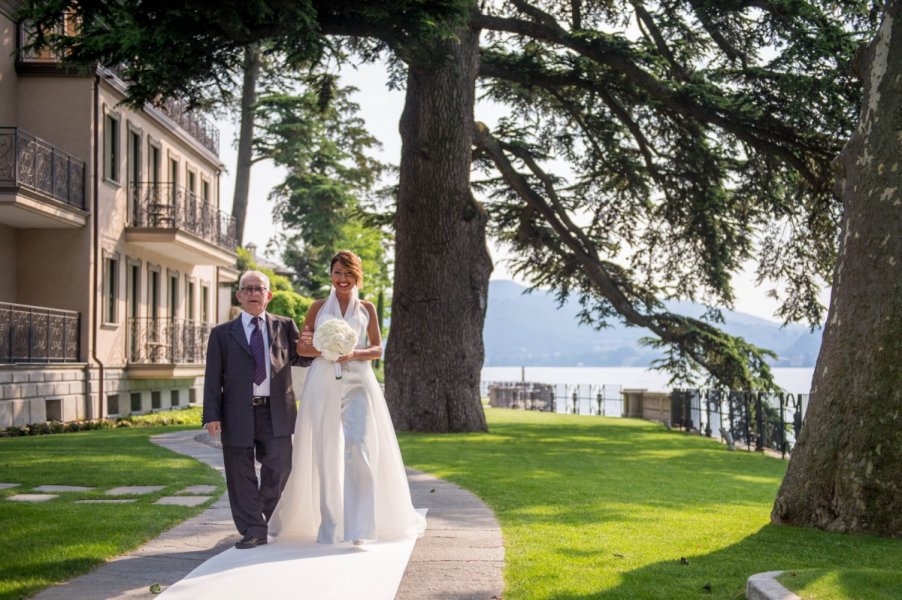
(350,261)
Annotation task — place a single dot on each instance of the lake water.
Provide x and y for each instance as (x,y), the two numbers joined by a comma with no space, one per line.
(793,380)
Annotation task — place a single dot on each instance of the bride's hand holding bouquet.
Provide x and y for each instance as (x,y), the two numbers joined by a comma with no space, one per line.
(335,340)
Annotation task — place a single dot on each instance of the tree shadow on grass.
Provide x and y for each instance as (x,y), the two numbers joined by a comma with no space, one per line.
(723,573)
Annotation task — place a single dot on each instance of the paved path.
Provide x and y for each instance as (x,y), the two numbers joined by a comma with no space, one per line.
(460,557)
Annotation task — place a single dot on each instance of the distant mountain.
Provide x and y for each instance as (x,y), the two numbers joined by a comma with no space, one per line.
(530,329)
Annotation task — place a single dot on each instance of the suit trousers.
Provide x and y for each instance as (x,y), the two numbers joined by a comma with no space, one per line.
(252,501)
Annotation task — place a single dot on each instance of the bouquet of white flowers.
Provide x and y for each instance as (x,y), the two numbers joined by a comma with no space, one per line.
(334,339)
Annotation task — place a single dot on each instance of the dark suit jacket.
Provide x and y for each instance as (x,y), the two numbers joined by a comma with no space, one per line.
(229,374)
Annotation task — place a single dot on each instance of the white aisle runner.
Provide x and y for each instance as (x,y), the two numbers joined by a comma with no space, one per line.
(299,569)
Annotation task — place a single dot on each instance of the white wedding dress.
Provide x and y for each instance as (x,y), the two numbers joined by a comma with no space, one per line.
(347,480)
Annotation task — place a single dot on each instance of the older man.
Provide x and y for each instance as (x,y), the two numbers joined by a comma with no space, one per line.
(249,401)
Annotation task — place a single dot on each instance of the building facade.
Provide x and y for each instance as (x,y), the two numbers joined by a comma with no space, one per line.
(115,258)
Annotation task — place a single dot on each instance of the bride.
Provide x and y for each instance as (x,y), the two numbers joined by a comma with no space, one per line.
(347,481)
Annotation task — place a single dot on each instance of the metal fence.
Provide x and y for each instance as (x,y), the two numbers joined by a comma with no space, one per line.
(758,420)
(36,334)
(568,398)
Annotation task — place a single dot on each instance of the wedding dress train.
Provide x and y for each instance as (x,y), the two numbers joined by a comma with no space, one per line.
(347,479)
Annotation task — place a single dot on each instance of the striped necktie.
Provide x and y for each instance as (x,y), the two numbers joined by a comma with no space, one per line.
(257,351)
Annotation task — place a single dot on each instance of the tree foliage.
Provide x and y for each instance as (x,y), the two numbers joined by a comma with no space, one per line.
(193,49)
(313,128)
(650,148)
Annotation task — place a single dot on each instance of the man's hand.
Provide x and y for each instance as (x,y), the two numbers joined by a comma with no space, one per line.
(214,428)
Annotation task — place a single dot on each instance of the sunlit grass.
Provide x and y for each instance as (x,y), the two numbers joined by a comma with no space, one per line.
(53,541)
(593,507)
(844,584)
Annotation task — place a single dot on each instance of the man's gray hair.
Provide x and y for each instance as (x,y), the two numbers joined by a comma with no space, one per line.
(259,274)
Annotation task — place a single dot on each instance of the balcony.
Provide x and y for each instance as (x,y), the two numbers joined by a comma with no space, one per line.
(40,185)
(42,60)
(196,125)
(165,347)
(36,334)
(179,112)
(174,222)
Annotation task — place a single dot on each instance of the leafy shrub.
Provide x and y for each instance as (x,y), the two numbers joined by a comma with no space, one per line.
(290,304)
(185,416)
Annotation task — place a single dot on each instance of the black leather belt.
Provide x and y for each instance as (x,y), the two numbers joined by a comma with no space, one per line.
(260,401)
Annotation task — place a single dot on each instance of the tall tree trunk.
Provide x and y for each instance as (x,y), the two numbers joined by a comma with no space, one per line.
(380,316)
(435,351)
(844,473)
(245,138)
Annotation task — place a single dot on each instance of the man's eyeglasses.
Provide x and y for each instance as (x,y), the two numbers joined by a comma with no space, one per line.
(253,289)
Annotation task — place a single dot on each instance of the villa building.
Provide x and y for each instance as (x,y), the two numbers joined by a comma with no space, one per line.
(115,258)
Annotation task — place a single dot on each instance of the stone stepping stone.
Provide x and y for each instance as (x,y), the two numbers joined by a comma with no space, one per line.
(6,486)
(32,497)
(62,488)
(117,501)
(198,489)
(134,489)
(183,500)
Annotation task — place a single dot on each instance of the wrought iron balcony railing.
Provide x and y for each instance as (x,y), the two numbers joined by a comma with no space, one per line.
(30,162)
(37,334)
(195,124)
(168,206)
(167,341)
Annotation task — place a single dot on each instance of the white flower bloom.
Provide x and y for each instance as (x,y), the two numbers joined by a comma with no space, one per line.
(334,339)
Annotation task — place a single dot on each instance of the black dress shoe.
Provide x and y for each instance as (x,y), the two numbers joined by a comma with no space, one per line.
(249,541)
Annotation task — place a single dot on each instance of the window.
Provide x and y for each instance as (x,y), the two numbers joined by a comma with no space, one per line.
(135,398)
(111,288)
(189,299)
(205,191)
(134,171)
(53,409)
(192,182)
(174,175)
(173,294)
(133,300)
(205,304)
(112,404)
(134,288)
(156,402)
(154,163)
(153,293)
(134,156)
(111,148)
(173,398)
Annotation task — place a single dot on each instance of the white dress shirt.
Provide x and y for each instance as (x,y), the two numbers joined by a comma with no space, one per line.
(263,388)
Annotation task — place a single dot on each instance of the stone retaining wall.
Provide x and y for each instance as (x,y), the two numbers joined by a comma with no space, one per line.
(39,393)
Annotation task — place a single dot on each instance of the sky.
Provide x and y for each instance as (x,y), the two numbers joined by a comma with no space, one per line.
(381,109)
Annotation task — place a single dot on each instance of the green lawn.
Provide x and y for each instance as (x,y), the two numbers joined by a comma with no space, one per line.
(828,584)
(47,542)
(593,507)
(590,507)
